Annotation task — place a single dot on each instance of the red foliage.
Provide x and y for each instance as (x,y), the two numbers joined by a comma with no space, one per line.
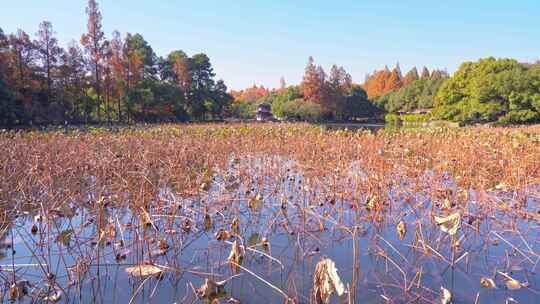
(383,81)
(250,94)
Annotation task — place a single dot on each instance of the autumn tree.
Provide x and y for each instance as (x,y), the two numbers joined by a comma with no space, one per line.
(8,105)
(375,84)
(108,78)
(122,75)
(438,74)
(398,69)
(339,84)
(22,57)
(182,73)
(313,82)
(72,73)
(118,65)
(411,76)
(94,44)
(166,66)
(425,72)
(4,56)
(134,67)
(393,82)
(139,47)
(251,94)
(48,53)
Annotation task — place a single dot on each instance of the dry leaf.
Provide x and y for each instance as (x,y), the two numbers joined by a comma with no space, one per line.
(144,270)
(401,229)
(511,300)
(211,290)
(501,186)
(446,296)
(111,230)
(447,204)
(34,229)
(326,281)
(255,202)
(54,296)
(146,219)
(513,284)
(236,256)
(265,244)
(208,225)
(65,237)
(487,283)
(186,225)
(449,224)
(158,252)
(253,239)
(372,203)
(223,235)
(235,226)
(163,245)
(18,290)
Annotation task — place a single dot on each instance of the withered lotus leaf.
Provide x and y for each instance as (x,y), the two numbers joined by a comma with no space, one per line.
(326,281)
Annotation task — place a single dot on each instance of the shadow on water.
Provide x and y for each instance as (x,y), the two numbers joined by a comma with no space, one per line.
(83,252)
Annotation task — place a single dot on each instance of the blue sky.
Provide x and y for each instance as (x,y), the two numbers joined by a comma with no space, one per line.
(257,42)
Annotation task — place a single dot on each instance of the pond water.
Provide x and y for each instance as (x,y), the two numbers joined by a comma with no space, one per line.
(82,253)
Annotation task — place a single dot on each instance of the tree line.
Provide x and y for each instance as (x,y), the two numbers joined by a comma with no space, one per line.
(122,80)
(319,97)
(502,91)
(386,81)
(97,80)
(490,90)
(414,93)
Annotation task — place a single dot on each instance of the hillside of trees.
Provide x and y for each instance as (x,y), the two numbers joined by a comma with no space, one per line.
(120,79)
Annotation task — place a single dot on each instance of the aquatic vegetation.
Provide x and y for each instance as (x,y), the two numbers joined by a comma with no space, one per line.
(326,281)
(268,212)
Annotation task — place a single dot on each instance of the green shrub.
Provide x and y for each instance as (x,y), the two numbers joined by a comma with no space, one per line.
(393,119)
(244,110)
(415,118)
(300,110)
(519,117)
(491,90)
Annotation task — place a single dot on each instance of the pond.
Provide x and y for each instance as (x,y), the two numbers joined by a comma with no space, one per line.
(389,248)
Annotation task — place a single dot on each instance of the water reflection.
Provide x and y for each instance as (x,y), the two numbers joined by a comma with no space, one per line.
(285,223)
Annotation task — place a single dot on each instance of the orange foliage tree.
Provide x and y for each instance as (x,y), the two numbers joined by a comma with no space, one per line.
(313,82)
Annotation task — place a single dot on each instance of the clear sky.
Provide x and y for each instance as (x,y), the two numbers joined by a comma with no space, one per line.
(258,41)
